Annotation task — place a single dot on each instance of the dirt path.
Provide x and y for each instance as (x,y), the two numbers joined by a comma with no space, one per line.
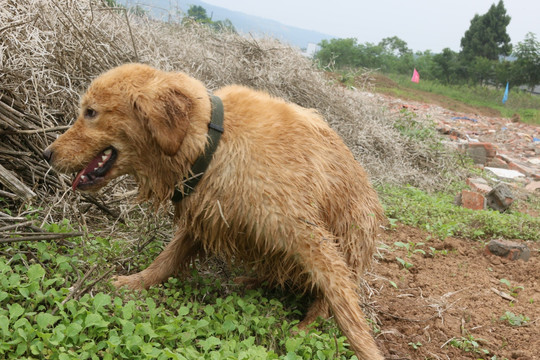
(446,305)
(446,299)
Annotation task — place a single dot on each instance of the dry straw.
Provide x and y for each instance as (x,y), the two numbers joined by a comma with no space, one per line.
(50,50)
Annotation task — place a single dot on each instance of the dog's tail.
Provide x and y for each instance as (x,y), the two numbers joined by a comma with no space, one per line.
(330,274)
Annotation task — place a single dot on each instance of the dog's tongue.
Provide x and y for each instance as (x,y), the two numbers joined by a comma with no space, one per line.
(88,169)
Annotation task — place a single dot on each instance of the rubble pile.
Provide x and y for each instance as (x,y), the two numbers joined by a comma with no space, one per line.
(508,151)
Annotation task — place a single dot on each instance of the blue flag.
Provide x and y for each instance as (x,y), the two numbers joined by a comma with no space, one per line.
(505,96)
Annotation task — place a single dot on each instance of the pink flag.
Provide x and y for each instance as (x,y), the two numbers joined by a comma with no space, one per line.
(415,77)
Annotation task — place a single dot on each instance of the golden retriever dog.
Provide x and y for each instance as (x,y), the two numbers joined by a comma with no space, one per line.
(281,193)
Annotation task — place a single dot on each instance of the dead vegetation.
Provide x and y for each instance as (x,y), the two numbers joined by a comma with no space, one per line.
(50,50)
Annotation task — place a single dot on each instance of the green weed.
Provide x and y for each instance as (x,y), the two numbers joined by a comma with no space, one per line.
(513,319)
(406,265)
(513,289)
(43,316)
(468,344)
(410,247)
(434,252)
(437,214)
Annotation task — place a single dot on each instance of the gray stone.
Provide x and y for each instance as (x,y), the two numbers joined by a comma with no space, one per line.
(508,249)
(500,198)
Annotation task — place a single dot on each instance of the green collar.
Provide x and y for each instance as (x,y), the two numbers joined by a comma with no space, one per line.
(215,129)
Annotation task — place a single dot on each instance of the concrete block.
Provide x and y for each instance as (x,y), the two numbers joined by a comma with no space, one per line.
(497,162)
(477,180)
(522,168)
(500,198)
(481,153)
(505,173)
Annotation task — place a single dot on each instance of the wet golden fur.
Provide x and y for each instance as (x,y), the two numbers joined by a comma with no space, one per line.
(283,194)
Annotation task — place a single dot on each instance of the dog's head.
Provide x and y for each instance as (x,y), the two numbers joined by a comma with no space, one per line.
(129,116)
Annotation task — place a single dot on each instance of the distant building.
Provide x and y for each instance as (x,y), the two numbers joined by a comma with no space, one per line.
(311,50)
(536,89)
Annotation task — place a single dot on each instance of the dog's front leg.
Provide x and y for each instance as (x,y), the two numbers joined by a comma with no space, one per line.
(176,256)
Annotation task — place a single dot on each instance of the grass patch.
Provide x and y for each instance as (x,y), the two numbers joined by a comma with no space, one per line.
(478,99)
(437,214)
(199,317)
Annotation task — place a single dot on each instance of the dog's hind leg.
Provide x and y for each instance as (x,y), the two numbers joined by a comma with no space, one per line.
(248,282)
(329,273)
(318,308)
(176,256)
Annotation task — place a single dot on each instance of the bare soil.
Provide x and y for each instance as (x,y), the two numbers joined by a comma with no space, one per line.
(385,85)
(449,294)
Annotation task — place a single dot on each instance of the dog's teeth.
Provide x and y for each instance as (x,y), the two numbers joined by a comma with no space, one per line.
(96,168)
(100,164)
(83,178)
(104,157)
(107,152)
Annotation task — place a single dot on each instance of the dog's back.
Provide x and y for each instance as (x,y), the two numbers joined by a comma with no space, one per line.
(286,196)
(280,165)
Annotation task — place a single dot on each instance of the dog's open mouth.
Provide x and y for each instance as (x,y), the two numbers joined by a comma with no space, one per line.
(95,171)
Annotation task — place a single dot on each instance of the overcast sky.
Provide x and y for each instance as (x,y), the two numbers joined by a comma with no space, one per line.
(423,24)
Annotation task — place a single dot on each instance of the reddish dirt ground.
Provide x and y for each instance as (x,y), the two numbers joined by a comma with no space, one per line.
(385,85)
(447,296)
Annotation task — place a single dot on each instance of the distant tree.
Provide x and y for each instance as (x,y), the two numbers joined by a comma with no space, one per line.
(481,69)
(396,56)
(487,36)
(528,61)
(446,66)
(340,53)
(505,71)
(111,3)
(198,14)
(395,46)
(224,25)
(136,10)
(371,56)
(423,62)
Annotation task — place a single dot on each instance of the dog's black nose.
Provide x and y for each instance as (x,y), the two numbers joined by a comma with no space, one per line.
(47,154)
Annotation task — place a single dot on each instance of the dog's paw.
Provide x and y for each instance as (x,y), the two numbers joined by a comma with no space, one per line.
(133,282)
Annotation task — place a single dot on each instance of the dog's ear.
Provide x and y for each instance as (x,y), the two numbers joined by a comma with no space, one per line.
(165,112)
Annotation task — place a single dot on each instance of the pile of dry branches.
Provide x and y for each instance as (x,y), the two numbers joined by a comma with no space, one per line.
(51,49)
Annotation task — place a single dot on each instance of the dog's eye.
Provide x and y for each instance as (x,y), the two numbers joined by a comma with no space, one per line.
(90,113)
